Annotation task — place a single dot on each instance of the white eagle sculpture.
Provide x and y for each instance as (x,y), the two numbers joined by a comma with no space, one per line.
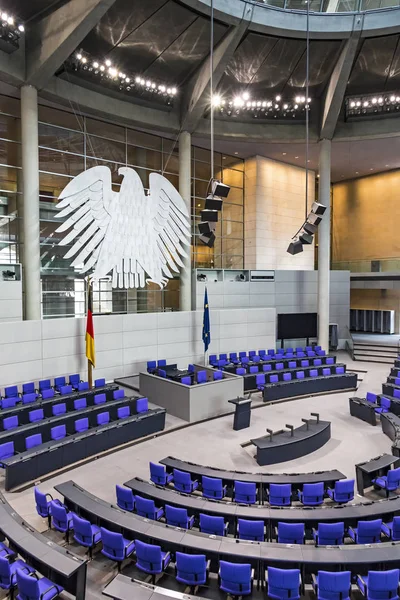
(128,232)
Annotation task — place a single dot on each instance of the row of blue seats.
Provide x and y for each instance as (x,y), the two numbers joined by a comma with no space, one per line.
(12,391)
(193,569)
(59,432)
(279,366)
(382,403)
(254,356)
(326,372)
(199,376)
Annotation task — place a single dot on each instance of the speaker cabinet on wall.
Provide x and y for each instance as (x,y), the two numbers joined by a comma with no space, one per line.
(295,247)
(318,208)
(208,239)
(306,238)
(206,227)
(209,215)
(220,189)
(213,203)
(310,228)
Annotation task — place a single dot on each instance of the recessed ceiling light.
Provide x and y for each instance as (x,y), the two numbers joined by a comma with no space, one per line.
(371,169)
(309,161)
(318,175)
(236,152)
(224,157)
(283,153)
(356,172)
(296,157)
(386,165)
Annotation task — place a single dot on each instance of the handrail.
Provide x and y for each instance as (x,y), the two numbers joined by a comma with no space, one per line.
(350,343)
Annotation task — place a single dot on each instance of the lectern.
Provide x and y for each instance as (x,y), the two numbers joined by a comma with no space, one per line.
(242,413)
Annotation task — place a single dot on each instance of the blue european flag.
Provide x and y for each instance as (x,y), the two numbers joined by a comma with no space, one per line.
(206,323)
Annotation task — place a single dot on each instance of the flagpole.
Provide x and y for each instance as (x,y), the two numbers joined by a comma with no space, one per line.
(90,366)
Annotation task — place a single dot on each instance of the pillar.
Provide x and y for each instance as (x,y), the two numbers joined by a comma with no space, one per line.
(185,143)
(324,243)
(31,217)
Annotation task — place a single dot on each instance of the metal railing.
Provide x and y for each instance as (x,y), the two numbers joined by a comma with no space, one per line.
(332,6)
(373,265)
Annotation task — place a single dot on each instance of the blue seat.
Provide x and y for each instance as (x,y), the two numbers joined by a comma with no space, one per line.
(300,375)
(33,440)
(74,380)
(313,373)
(85,533)
(366,532)
(83,386)
(329,534)
(162,362)
(178,517)
(11,391)
(151,365)
(201,377)
(271,352)
(125,498)
(191,569)
(103,418)
(44,384)
(213,525)
(36,415)
(389,482)
(183,482)
(212,487)
(273,379)
(299,349)
(326,371)
(233,357)
(142,405)
(262,352)
(46,394)
(147,508)
(81,425)
(300,354)
(310,353)
(317,362)
(99,382)
(280,351)
(188,380)
(384,405)
(330,361)
(256,358)
(59,409)
(212,359)
(370,397)
(43,505)
(10,423)
(253,370)
(27,398)
(379,585)
(240,371)
(339,370)
(280,494)
(100,399)
(30,587)
(279,366)
(235,579)
(191,368)
(266,368)
(59,382)
(6,552)
(6,451)
(252,353)
(283,583)
(392,529)
(66,389)
(292,364)
(118,394)
(260,381)
(115,546)
(58,432)
(343,491)
(61,519)
(251,530)
(218,375)
(304,363)
(332,585)
(245,493)
(8,573)
(245,360)
(151,559)
(221,363)
(28,388)
(123,412)
(159,475)
(290,533)
(312,494)
(223,356)
(11,402)
(287,377)
(80,404)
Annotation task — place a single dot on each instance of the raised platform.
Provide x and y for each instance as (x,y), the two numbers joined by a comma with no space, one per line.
(286,445)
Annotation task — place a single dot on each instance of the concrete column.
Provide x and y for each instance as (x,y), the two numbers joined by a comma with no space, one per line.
(31,220)
(324,243)
(185,143)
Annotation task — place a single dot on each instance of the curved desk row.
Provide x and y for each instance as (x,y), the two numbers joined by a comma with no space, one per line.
(52,561)
(19,434)
(312,385)
(388,389)
(231,367)
(250,378)
(308,558)
(311,516)
(54,455)
(391,427)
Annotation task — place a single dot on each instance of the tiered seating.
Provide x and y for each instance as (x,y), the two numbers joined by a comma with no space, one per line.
(270,356)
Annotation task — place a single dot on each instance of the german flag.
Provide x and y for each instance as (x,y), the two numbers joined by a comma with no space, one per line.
(90,349)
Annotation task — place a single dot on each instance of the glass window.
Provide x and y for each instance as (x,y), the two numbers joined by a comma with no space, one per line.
(10,128)
(62,118)
(145,140)
(106,130)
(232,212)
(8,179)
(232,178)
(10,153)
(171,163)
(143,157)
(105,149)
(60,162)
(51,185)
(61,139)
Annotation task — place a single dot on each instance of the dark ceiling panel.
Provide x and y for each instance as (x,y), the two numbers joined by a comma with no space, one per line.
(247,60)
(323,56)
(276,70)
(24,9)
(119,22)
(186,53)
(373,64)
(393,80)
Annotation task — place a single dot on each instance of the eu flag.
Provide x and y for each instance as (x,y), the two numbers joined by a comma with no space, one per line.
(206,323)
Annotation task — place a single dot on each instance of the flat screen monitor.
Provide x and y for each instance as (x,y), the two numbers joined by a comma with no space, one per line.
(297,325)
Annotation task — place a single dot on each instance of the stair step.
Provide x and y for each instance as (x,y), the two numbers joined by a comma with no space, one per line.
(373,358)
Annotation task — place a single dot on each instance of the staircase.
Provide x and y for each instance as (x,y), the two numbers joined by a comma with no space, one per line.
(375,352)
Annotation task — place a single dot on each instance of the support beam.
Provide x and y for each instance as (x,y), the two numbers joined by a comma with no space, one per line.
(324,244)
(197,96)
(336,89)
(185,149)
(53,39)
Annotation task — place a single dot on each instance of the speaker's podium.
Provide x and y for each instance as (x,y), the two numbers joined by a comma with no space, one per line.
(242,413)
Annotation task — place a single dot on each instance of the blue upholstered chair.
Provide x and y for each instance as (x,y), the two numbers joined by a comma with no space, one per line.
(162,373)
(262,353)
(151,365)
(233,358)
(151,559)
(44,384)
(10,423)
(147,508)
(191,569)
(266,368)
(183,482)
(59,382)
(220,364)
(287,377)
(33,416)
(290,533)
(339,370)
(252,353)
(6,451)
(162,362)
(27,398)
(245,360)
(292,364)
(83,386)
(218,375)
(366,532)
(312,494)
(61,519)
(273,379)
(11,391)
(43,505)
(8,573)
(329,534)
(245,493)
(235,579)
(213,525)
(300,375)
(33,440)
(310,353)
(396,393)
(142,405)
(240,371)
(212,487)
(178,517)
(317,362)
(99,382)
(343,491)
(80,403)
(256,358)
(253,370)
(379,585)
(304,363)
(66,389)
(46,395)
(103,418)
(283,583)
(100,399)
(280,351)
(313,373)
(159,475)
(330,361)
(123,412)
(6,552)
(201,377)
(251,530)
(384,405)
(271,352)
(326,371)
(279,494)
(392,529)
(279,366)
(223,356)
(85,533)
(191,368)
(81,425)
(30,587)
(242,354)
(389,482)
(11,402)
(125,498)
(370,397)
(300,354)
(118,394)
(58,432)
(260,381)
(28,388)
(59,409)
(213,359)
(115,546)
(74,380)
(329,585)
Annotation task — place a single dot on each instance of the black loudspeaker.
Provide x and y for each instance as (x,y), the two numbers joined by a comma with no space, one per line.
(310,228)
(209,215)
(306,238)
(295,247)
(206,227)
(314,219)
(220,189)
(213,203)
(318,208)
(208,239)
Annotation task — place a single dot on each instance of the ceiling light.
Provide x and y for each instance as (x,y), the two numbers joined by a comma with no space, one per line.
(298,99)
(359,103)
(96,65)
(102,68)
(21,28)
(122,76)
(4,16)
(285,106)
(283,153)
(216,101)
(296,106)
(113,72)
(236,152)
(238,102)
(392,98)
(79,56)
(278,98)
(365,103)
(296,157)
(148,83)
(108,63)
(374,100)
(356,172)
(127,79)
(174,91)
(245,95)
(10,21)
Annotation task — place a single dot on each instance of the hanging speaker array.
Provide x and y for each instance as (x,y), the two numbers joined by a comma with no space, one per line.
(212,208)
(305,235)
